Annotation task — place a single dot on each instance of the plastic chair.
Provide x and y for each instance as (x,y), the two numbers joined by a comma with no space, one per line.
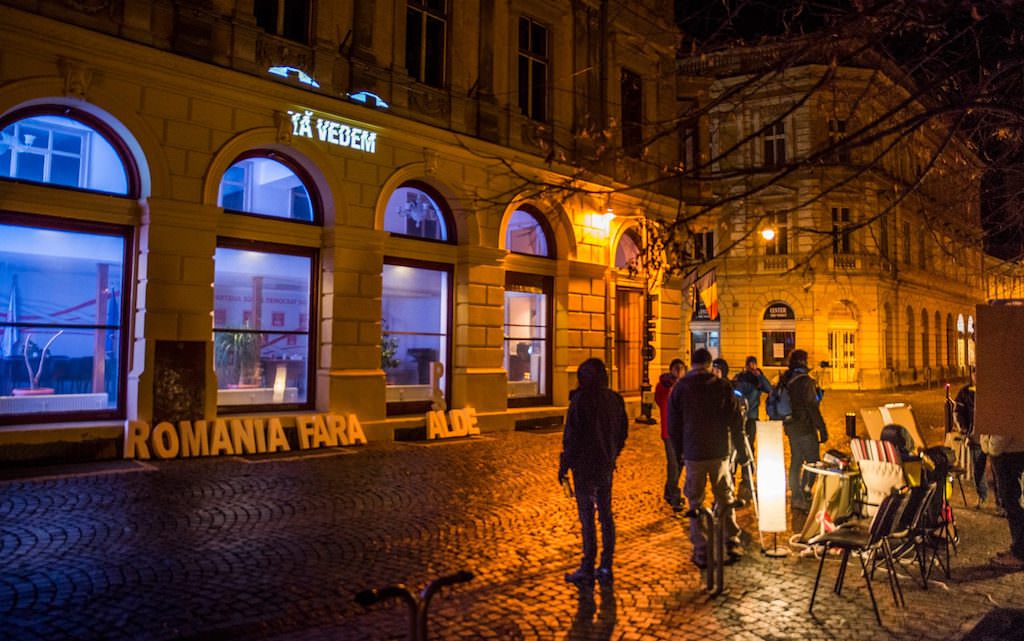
(867,544)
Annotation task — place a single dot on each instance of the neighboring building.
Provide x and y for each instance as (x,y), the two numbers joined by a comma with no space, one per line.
(287,207)
(875,274)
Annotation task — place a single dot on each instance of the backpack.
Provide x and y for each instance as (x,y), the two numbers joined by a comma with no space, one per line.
(779,406)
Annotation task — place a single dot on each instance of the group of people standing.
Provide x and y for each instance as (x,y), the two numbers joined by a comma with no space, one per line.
(708,425)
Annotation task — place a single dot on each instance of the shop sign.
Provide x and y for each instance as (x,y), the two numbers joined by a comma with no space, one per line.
(305,125)
(779,311)
(237,436)
(458,423)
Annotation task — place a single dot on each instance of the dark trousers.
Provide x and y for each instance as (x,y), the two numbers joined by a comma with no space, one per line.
(803,448)
(750,428)
(978,460)
(672,472)
(591,495)
(1009,468)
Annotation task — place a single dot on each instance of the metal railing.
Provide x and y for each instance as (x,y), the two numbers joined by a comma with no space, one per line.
(417,606)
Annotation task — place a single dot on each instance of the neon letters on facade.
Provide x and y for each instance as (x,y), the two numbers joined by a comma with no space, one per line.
(305,125)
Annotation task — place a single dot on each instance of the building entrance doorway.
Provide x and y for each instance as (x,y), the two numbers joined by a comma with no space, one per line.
(842,353)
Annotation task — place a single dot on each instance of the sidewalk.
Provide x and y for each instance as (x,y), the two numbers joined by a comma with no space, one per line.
(275,549)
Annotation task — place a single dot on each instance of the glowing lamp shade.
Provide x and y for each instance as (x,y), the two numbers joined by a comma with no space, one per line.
(768,234)
(771,477)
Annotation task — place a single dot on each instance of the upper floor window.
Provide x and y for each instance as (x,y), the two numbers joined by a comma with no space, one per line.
(704,245)
(527,234)
(66,150)
(883,236)
(841,231)
(906,243)
(414,210)
(533,70)
(286,18)
(779,244)
(774,137)
(922,250)
(836,135)
(63,317)
(632,94)
(266,186)
(425,40)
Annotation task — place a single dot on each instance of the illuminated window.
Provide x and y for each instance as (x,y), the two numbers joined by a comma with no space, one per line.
(527,344)
(526,234)
(62,310)
(778,334)
(415,325)
(286,18)
(414,211)
(628,250)
(779,244)
(533,70)
(266,187)
(426,23)
(63,151)
(260,356)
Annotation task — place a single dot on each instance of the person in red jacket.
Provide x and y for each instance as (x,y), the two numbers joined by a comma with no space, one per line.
(672,470)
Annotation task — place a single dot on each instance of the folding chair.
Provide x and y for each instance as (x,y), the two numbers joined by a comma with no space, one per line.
(909,536)
(866,544)
(881,469)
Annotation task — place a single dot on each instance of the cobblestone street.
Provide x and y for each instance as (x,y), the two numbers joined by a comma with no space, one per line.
(276,549)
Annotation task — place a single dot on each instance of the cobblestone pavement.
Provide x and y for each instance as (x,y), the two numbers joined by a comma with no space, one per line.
(275,549)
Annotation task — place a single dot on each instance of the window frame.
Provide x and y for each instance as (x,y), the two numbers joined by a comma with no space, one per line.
(779,245)
(405,408)
(527,103)
(280,17)
(127,234)
(131,169)
(839,152)
(312,344)
(631,96)
(289,163)
(842,232)
(425,13)
(442,207)
(774,144)
(545,227)
(547,284)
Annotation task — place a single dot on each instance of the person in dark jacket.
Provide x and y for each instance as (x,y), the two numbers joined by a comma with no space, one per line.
(805,427)
(704,420)
(979,460)
(595,432)
(751,382)
(662,391)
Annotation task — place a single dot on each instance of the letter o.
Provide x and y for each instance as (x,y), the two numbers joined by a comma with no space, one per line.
(165,441)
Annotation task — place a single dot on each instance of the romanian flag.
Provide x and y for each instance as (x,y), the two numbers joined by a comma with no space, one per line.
(707,289)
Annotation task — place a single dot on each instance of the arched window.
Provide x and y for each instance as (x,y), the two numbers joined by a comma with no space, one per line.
(778,334)
(938,339)
(628,249)
(950,341)
(911,356)
(65,147)
(925,356)
(887,333)
(527,233)
(961,341)
(268,184)
(414,209)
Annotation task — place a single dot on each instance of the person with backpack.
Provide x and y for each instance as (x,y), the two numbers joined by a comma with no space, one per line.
(751,382)
(795,402)
(662,391)
(704,421)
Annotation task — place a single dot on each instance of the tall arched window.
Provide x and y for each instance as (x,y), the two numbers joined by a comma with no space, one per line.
(265,183)
(911,356)
(961,341)
(416,210)
(527,233)
(65,147)
(887,332)
(950,341)
(938,339)
(925,356)
(629,318)
(628,249)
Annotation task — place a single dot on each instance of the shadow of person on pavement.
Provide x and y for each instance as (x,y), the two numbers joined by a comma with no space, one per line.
(585,625)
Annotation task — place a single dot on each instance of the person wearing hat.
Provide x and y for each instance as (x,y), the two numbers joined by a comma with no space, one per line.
(805,427)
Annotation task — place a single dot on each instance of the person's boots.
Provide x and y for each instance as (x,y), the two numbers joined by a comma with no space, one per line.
(583,575)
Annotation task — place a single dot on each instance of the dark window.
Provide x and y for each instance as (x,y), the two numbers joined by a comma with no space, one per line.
(632,114)
(63,316)
(775,144)
(906,243)
(533,70)
(260,357)
(836,135)
(286,18)
(883,236)
(704,245)
(841,231)
(425,46)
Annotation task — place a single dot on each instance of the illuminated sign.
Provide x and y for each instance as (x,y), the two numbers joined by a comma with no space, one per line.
(332,132)
(369,99)
(300,75)
(238,436)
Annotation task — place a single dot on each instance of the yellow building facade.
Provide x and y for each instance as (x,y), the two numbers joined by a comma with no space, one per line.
(284,209)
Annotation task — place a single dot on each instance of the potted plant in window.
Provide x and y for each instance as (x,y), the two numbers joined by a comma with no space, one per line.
(237,358)
(31,351)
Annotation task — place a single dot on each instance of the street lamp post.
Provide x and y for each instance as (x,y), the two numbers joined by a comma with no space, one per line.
(650,324)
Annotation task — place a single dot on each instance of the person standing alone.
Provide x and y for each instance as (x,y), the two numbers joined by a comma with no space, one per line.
(596,427)
(704,420)
(804,426)
(661,394)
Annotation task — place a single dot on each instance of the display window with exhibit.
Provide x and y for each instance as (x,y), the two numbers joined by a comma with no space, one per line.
(265,183)
(262,335)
